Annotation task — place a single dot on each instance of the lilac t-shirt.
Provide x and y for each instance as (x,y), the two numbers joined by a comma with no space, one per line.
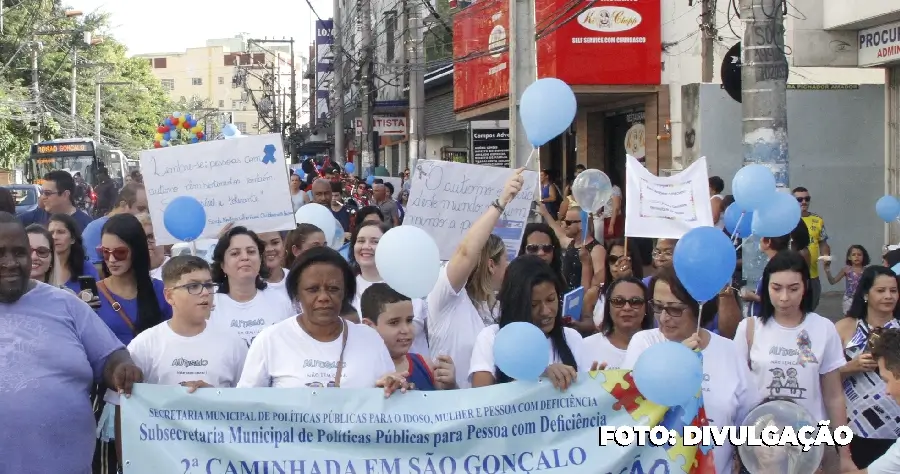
(114,320)
(53,348)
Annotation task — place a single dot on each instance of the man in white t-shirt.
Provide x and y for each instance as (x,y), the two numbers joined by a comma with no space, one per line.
(886,351)
(186,350)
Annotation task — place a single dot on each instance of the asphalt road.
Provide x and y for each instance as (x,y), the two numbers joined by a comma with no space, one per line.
(830,306)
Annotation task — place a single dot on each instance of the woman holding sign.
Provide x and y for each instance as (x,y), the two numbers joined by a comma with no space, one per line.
(462,302)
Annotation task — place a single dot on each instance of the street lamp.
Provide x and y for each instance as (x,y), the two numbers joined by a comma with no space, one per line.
(97,105)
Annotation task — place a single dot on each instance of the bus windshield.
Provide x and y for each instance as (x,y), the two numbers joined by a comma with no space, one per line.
(72,164)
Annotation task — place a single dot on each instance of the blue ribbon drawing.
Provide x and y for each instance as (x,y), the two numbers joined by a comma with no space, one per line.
(269,157)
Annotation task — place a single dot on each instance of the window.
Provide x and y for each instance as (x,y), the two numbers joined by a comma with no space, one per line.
(236,104)
(196,81)
(390,33)
(168,85)
(159,63)
(221,80)
(242,126)
(221,104)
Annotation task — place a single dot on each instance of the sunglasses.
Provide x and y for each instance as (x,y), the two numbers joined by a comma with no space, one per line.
(534,248)
(42,252)
(620,302)
(804,199)
(613,259)
(675,311)
(572,222)
(120,253)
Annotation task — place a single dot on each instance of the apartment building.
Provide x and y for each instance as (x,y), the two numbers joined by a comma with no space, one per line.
(244,82)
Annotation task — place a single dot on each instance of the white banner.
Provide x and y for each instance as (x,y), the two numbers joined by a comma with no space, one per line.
(446,198)
(242,181)
(666,207)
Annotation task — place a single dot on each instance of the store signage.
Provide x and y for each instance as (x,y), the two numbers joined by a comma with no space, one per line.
(384,125)
(879,45)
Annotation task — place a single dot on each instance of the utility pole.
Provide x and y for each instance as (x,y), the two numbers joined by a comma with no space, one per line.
(416,91)
(337,78)
(523,72)
(366,89)
(74,109)
(293,126)
(708,30)
(36,92)
(404,77)
(764,72)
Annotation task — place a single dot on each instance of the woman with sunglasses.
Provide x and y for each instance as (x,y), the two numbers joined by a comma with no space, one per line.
(530,293)
(629,313)
(69,249)
(728,391)
(540,241)
(42,257)
(794,352)
(873,416)
(618,265)
(245,303)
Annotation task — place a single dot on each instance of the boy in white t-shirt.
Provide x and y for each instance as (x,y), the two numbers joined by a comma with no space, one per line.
(391,314)
(186,350)
(886,351)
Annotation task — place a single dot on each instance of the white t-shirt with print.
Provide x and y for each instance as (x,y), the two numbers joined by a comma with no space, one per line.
(787,362)
(453,325)
(279,285)
(728,392)
(215,356)
(598,348)
(483,353)
(268,307)
(285,356)
(888,463)
(420,315)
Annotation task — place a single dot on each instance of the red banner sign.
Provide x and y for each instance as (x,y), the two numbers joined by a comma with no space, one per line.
(605,42)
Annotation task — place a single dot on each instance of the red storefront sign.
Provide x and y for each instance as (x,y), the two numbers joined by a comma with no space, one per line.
(609,42)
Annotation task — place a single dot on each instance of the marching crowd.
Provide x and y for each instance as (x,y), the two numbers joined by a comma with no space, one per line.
(285,310)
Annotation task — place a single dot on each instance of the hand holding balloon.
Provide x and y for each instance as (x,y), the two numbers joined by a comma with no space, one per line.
(512,187)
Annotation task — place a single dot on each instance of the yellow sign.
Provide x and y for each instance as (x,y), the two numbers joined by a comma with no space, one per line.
(62,148)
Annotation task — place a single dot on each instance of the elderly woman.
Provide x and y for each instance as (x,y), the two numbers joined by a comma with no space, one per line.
(345,355)
(53,349)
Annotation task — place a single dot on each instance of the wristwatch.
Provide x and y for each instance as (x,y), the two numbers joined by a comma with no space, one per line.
(496,204)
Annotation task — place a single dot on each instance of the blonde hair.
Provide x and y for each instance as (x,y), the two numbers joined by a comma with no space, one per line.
(480,286)
(144,219)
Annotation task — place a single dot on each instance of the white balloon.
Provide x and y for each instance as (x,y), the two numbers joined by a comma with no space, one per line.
(317,215)
(592,190)
(400,246)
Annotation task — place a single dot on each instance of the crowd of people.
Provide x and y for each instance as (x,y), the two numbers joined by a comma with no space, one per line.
(285,310)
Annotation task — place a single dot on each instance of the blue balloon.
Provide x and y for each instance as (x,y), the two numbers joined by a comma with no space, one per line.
(230,130)
(888,208)
(668,373)
(349,167)
(753,186)
(194,139)
(738,221)
(188,118)
(521,364)
(167,136)
(176,114)
(168,121)
(547,109)
(370,180)
(779,217)
(185,218)
(704,261)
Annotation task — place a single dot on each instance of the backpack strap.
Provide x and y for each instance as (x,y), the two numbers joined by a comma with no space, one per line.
(751,326)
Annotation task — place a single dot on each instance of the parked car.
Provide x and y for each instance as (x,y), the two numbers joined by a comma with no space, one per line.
(26,196)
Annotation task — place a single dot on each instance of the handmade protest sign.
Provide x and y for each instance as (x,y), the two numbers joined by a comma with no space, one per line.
(513,427)
(666,207)
(446,198)
(242,181)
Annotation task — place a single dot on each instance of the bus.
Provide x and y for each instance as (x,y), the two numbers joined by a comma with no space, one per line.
(75,155)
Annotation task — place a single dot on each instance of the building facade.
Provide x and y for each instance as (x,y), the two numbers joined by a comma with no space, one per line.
(239,81)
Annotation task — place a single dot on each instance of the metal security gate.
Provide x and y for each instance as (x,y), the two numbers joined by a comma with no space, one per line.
(459,155)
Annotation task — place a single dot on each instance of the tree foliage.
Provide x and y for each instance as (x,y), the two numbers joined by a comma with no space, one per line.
(129,113)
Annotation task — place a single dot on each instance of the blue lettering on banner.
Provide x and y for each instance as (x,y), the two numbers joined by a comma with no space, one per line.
(508,428)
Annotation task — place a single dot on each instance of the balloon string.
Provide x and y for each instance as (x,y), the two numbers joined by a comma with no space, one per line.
(699,318)
(734,234)
(530,156)
(743,243)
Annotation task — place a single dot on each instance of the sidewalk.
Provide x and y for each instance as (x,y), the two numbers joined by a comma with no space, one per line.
(830,305)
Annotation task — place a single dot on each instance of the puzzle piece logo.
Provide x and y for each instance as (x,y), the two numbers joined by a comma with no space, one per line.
(680,454)
(269,156)
(620,385)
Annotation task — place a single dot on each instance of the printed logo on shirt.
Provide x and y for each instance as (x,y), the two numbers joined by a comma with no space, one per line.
(247,323)
(323,364)
(784,381)
(182,362)
(320,385)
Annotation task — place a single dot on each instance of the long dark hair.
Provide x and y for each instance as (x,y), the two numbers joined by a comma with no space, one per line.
(354,265)
(218,273)
(606,327)
(75,262)
(41,230)
(859,307)
(785,261)
(522,275)
(556,261)
(129,229)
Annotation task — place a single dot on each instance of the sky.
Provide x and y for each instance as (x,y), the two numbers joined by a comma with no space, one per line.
(148,27)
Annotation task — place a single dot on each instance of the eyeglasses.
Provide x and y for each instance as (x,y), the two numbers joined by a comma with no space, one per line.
(42,252)
(197,288)
(534,248)
(48,193)
(120,253)
(620,302)
(662,253)
(804,199)
(572,222)
(675,311)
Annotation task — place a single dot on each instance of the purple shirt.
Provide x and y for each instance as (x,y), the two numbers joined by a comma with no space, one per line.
(53,348)
(114,320)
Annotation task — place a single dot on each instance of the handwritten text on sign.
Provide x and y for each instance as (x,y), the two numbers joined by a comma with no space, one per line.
(508,428)
(242,181)
(446,198)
